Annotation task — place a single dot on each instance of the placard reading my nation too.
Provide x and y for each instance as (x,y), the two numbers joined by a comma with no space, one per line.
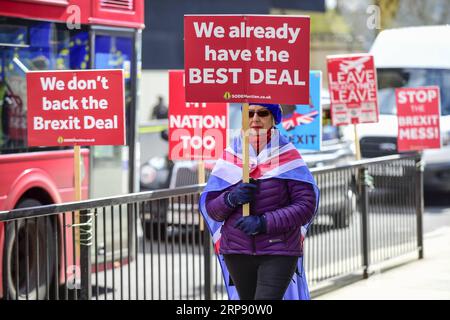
(67,108)
(197,131)
(247,58)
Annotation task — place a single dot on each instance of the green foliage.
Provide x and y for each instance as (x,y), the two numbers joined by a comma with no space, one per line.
(328,22)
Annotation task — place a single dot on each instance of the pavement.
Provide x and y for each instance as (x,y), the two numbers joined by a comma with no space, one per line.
(420,279)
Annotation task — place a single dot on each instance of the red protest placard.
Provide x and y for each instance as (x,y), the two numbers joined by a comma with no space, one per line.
(247,58)
(197,131)
(418,111)
(67,108)
(352,83)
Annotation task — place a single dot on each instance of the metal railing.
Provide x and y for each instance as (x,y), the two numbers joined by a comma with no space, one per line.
(149,245)
(380,220)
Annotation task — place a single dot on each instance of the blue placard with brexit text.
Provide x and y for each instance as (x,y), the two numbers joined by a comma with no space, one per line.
(302,124)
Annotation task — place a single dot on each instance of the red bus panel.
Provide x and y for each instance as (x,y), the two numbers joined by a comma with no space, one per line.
(123,13)
(49,171)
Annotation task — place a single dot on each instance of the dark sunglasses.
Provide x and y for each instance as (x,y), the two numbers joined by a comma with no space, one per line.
(260,113)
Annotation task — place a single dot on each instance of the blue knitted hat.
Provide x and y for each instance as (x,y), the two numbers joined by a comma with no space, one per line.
(275,109)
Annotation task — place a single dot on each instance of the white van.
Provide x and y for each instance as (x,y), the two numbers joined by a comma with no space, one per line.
(411,57)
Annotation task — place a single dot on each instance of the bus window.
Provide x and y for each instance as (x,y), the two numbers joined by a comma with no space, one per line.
(110,172)
(40,46)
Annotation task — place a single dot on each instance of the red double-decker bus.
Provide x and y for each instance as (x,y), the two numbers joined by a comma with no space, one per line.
(60,35)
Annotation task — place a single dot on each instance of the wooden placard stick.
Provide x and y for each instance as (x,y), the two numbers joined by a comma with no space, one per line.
(201,180)
(245,154)
(357,147)
(77,190)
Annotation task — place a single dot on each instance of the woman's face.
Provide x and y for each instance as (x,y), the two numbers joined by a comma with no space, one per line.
(260,118)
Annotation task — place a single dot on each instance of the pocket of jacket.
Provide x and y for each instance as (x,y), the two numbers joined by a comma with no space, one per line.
(276,240)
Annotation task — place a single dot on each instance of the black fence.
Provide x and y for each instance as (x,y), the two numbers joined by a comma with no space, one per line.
(152,245)
(379,220)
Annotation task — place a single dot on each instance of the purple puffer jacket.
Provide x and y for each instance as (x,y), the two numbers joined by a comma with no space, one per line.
(287,205)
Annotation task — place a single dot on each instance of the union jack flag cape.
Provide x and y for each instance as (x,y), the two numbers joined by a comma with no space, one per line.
(279,159)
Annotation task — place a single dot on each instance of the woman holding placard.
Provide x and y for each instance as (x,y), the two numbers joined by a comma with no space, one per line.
(261,254)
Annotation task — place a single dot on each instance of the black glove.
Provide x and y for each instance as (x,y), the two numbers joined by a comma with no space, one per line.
(243,193)
(251,225)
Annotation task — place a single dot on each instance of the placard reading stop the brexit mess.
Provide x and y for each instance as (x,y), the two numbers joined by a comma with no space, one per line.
(352,83)
(197,131)
(418,111)
(68,108)
(247,58)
